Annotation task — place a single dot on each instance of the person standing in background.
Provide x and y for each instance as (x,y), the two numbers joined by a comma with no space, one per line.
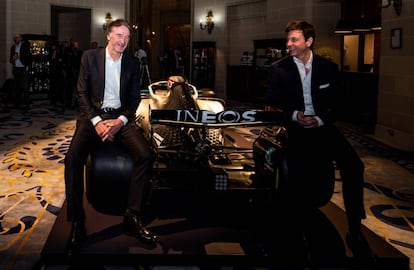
(21,59)
(173,62)
(94,45)
(56,75)
(72,59)
(140,53)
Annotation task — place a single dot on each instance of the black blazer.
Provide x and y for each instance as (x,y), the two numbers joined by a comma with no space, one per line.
(91,84)
(25,55)
(284,88)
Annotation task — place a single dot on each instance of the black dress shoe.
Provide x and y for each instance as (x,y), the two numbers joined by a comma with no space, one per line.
(133,226)
(359,247)
(77,236)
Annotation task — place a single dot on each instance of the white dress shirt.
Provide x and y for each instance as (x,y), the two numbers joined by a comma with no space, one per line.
(112,86)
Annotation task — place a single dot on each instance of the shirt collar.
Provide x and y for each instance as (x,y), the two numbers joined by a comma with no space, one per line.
(308,63)
(108,56)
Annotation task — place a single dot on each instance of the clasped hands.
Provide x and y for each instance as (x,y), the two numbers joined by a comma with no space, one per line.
(307,121)
(107,129)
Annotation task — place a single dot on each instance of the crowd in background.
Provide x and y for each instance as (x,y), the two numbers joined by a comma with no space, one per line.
(60,62)
(64,61)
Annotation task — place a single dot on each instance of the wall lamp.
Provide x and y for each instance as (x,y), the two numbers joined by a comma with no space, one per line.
(396,3)
(135,27)
(209,25)
(108,20)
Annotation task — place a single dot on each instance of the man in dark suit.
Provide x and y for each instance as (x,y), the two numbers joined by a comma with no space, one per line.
(108,94)
(21,59)
(305,88)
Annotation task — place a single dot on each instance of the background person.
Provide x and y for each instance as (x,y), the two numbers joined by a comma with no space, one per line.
(56,75)
(172,62)
(72,56)
(108,94)
(305,88)
(94,45)
(21,59)
(140,53)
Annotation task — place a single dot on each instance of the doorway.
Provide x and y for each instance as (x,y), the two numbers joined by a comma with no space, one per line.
(176,48)
(71,24)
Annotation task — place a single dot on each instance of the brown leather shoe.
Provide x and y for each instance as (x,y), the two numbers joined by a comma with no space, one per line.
(132,226)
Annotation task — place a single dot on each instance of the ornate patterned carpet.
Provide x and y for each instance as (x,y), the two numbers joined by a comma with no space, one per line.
(33,145)
(389,192)
(32,148)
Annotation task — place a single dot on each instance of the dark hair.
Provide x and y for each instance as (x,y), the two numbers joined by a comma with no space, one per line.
(308,29)
(118,23)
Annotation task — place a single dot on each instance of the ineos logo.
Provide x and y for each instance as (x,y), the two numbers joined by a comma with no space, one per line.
(228,116)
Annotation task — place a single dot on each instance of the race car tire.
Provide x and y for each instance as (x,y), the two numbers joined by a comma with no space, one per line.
(107,178)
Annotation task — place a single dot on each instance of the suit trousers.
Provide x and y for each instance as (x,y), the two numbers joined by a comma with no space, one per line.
(84,140)
(311,152)
(21,85)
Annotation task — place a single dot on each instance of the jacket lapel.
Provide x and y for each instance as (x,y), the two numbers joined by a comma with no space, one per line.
(295,80)
(101,70)
(124,66)
(315,74)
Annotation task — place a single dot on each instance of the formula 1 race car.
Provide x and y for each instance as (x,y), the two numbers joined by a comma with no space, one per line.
(202,145)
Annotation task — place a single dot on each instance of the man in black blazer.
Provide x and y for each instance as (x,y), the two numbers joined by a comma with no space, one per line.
(21,59)
(305,88)
(108,94)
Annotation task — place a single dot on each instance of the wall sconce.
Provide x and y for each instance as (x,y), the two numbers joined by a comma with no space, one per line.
(150,36)
(396,3)
(108,20)
(209,25)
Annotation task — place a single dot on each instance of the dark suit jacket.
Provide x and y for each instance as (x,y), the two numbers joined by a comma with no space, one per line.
(24,55)
(284,88)
(91,84)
